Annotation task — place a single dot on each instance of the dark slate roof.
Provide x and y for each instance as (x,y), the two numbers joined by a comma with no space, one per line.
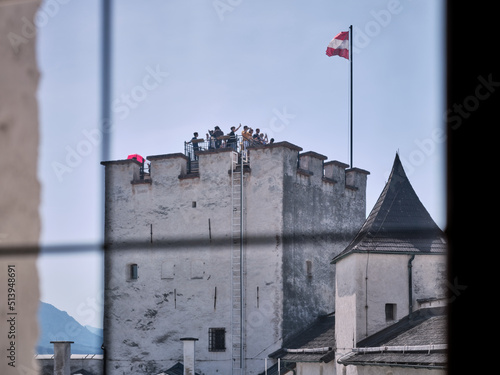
(320,334)
(418,340)
(398,223)
(177,369)
(422,327)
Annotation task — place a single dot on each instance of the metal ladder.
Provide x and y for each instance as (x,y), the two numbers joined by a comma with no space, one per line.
(237,274)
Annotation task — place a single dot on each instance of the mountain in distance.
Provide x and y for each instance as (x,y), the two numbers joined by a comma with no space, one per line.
(96,331)
(57,325)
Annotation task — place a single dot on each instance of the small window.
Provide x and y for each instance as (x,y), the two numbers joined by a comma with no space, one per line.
(216,339)
(133,272)
(390,311)
(193,204)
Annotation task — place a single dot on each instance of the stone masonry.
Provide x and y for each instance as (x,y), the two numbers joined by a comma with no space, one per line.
(168,268)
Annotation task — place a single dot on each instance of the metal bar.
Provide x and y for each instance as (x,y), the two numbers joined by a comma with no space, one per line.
(241,268)
(351,53)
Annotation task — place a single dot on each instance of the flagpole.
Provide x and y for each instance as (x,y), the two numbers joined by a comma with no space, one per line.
(351,53)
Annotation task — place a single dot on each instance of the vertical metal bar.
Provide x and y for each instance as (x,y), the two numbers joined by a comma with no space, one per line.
(241,267)
(215,298)
(106,52)
(209,231)
(351,53)
(106,18)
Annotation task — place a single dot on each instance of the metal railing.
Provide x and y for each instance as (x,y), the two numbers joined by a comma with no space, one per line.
(238,143)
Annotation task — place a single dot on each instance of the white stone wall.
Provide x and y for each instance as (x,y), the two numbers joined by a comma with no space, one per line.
(366,282)
(349,280)
(429,277)
(178,230)
(304,368)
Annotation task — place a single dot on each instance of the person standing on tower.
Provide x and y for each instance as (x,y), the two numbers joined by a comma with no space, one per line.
(216,134)
(232,142)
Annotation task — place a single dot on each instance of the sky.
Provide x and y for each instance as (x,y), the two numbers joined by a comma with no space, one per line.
(180,66)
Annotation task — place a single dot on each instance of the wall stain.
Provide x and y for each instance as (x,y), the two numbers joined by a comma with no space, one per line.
(130,343)
(150,313)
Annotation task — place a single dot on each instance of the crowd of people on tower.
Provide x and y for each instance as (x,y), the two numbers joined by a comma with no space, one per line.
(217,139)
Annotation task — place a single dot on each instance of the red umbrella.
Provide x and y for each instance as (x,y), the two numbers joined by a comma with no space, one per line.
(137,157)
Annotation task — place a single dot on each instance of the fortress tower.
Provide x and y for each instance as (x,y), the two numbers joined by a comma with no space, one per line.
(236,255)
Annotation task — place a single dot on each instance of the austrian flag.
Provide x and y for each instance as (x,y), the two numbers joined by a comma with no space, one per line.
(339,45)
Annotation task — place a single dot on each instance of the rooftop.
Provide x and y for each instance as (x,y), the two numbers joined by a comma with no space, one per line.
(418,340)
(398,223)
(315,343)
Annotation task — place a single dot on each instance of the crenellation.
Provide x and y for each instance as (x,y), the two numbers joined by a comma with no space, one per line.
(213,165)
(334,170)
(313,162)
(127,168)
(355,179)
(167,166)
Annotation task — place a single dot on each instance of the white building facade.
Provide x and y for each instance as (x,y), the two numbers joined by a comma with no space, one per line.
(391,289)
(239,267)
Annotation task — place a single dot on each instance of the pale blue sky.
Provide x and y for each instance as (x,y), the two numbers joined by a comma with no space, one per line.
(183,65)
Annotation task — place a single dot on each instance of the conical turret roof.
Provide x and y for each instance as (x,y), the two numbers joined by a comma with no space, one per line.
(398,223)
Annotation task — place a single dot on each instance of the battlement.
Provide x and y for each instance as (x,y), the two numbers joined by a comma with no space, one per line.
(277,159)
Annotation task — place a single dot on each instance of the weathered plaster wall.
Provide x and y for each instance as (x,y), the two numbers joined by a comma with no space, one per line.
(429,277)
(366,282)
(264,253)
(183,262)
(320,218)
(304,368)
(177,229)
(387,282)
(348,281)
(19,188)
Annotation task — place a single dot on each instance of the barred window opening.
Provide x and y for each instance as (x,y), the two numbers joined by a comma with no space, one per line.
(216,339)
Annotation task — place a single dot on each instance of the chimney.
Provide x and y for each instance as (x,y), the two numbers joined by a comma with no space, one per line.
(189,355)
(62,356)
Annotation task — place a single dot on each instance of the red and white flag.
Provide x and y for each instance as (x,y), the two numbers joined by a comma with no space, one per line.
(339,45)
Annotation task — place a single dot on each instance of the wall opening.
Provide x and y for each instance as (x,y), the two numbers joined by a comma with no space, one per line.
(216,339)
(133,271)
(390,312)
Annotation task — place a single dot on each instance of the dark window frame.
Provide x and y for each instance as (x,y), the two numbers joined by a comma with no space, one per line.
(216,339)
(133,271)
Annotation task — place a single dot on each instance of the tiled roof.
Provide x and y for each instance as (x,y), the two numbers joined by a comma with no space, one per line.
(418,340)
(316,343)
(422,327)
(398,223)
